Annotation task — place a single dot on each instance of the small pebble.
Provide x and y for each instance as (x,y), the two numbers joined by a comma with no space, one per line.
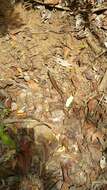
(26,77)
(105,43)
(103,162)
(89,75)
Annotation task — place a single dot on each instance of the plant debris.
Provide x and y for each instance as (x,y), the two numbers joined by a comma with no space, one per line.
(53,95)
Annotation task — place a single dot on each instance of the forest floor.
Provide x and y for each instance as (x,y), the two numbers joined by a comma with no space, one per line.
(53,101)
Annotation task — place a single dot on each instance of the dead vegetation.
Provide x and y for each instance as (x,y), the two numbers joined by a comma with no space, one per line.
(53,95)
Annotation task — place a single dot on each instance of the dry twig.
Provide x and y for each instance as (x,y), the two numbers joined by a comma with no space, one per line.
(103,85)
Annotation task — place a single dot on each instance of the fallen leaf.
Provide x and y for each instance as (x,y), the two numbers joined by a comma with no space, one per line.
(33,85)
(65,186)
(88,130)
(52,2)
(95,150)
(94,85)
(14,162)
(75,80)
(62,62)
(89,125)
(92,105)
(66,52)
(69,101)
(98,135)
(8,102)
(19,70)
(24,156)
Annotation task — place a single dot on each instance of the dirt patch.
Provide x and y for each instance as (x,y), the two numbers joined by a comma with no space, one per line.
(57,115)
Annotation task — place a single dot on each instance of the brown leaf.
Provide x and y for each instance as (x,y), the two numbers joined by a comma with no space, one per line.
(66,162)
(105,187)
(75,81)
(33,85)
(92,105)
(64,186)
(66,52)
(14,162)
(94,85)
(24,156)
(8,102)
(96,152)
(64,141)
(52,2)
(98,135)
(17,71)
(89,125)
(88,130)
(82,113)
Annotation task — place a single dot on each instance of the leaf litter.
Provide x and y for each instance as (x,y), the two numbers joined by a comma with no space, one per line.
(53,110)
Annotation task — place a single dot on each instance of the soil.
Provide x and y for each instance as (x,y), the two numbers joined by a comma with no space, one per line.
(51,81)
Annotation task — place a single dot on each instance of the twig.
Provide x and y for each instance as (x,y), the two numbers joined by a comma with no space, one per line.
(60,92)
(39,122)
(55,85)
(101,8)
(100,54)
(98,183)
(54,6)
(11,121)
(103,84)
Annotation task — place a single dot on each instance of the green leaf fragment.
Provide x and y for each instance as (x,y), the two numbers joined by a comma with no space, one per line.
(5,138)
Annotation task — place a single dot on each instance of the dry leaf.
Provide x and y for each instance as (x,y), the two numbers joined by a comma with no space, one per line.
(24,157)
(92,105)
(75,81)
(65,186)
(8,102)
(96,152)
(52,2)
(62,62)
(69,101)
(88,130)
(33,85)
(14,162)
(98,135)
(66,52)
(19,70)
(89,125)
